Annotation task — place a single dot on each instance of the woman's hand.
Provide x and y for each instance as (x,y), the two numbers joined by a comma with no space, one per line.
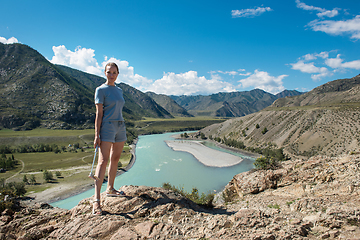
(97,142)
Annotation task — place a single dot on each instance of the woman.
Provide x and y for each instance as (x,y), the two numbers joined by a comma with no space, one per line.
(110,133)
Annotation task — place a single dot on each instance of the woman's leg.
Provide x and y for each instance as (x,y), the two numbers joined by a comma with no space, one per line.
(115,154)
(104,153)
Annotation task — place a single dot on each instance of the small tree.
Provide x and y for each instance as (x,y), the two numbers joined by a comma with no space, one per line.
(19,188)
(257,125)
(244,133)
(48,176)
(202,136)
(32,179)
(25,179)
(265,163)
(264,130)
(58,174)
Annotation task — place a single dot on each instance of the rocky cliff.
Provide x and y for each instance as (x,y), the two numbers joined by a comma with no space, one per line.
(318,198)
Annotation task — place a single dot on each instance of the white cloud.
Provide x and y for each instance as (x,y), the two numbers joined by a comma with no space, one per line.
(337,63)
(249,12)
(318,77)
(8,41)
(318,73)
(245,74)
(307,67)
(353,64)
(334,62)
(322,11)
(189,83)
(328,13)
(82,59)
(262,80)
(232,73)
(351,27)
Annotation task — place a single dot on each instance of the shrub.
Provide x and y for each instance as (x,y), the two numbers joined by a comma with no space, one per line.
(25,179)
(264,130)
(48,176)
(265,163)
(32,179)
(203,199)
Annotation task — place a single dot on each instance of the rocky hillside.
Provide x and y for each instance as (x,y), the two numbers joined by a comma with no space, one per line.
(323,121)
(233,104)
(34,92)
(169,104)
(317,198)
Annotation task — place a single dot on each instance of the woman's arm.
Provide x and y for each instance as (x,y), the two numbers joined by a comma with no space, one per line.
(98,121)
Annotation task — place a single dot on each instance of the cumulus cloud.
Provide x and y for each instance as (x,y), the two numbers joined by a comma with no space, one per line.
(322,12)
(81,59)
(263,80)
(317,73)
(337,63)
(189,83)
(84,59)
(251,12)
(8,41)
(307,67)
(351,27)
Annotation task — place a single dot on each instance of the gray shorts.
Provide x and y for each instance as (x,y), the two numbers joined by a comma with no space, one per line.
(113,131)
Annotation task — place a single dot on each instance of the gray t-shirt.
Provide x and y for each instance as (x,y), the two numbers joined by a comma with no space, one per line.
(113,102)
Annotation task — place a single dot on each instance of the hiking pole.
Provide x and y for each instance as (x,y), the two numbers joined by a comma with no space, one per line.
(91,175)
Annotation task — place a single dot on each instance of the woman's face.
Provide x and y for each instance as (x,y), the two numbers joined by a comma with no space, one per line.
(111,73)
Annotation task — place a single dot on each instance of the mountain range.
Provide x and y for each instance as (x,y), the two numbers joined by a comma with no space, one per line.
(35,92)
(233,104)
(324,121)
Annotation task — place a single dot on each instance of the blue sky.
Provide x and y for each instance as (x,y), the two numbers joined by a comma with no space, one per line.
(195,47)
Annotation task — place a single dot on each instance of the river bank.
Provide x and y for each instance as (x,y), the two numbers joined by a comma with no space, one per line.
(63,191)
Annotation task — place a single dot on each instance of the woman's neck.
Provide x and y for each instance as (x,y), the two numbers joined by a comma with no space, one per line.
(110,83)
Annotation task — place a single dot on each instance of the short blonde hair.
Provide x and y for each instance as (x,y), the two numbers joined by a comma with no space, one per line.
(112,64)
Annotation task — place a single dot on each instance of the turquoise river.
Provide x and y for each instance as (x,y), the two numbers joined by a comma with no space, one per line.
(156,164)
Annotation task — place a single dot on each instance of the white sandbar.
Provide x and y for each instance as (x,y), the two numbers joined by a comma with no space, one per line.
(205,155)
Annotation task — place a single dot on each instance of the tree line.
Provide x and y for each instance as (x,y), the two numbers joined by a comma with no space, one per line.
(271,156)
(41,147)
(7,162)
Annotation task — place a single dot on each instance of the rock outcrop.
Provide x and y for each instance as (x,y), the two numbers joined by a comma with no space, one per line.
(317,198)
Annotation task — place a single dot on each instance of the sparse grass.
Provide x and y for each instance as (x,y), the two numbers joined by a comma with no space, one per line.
(40,135)
(276,206)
